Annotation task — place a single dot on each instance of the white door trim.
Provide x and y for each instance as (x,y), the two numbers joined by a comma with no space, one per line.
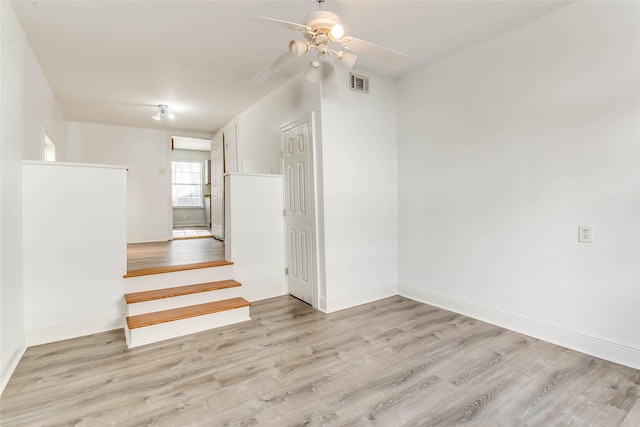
(309,117)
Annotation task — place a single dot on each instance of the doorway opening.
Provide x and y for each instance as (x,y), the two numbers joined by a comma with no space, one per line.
(190,186)
(299,199)
(191,240)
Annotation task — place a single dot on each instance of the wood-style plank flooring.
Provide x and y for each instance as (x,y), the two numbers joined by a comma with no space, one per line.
(394,362)
(171,253)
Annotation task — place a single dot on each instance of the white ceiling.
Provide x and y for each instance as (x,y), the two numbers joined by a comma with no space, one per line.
(114,61)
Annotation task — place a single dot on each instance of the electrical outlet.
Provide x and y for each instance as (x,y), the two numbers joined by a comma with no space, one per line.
(585,234)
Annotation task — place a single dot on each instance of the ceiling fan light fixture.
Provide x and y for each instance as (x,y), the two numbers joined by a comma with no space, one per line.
(298,47)
(320,29)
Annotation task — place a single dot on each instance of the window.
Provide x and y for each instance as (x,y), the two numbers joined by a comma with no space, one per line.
(186,180)
(49,149)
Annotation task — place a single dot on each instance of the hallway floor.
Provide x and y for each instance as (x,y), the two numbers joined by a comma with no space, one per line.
(176,252)
(192,232)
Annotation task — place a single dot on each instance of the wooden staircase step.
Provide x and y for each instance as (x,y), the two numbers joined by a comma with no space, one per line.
(136,297)
(165,316)
(173,268)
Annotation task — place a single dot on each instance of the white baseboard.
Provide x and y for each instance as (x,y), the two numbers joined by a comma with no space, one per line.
(189,223)
(259,294)
(73,330)
(10,366)
(597,347)
(330,305)
(149,238)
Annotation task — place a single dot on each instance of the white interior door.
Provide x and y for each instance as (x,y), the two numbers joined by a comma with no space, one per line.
(298,211)
(217,189)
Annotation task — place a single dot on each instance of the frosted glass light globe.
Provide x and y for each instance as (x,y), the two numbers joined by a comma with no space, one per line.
(337,31)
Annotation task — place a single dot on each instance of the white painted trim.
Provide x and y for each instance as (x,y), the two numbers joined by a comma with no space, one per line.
(189,223)
(72,164)
(263,175)
(73,330)
(253,295)
(150,238)
(593,346)
(330,305)
(10,367)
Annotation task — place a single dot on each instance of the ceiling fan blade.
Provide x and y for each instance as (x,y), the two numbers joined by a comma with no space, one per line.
(270,70)
(281,24)
(374,50)
(328,79)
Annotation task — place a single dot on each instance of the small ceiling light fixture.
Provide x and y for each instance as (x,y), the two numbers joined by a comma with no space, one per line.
(163,112)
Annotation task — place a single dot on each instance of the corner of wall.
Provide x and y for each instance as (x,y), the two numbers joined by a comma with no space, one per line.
(330,305)
(10,365)
(597,347)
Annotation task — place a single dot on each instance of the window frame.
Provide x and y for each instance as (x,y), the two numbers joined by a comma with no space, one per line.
(199,184)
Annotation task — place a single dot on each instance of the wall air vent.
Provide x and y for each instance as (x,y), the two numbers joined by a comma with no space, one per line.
(359,83)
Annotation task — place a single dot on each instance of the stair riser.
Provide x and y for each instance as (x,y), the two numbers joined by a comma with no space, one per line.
(177,328)
(177,278)
(182,301)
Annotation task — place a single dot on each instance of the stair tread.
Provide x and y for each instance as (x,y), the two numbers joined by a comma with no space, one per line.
(164,316)
(173,268)
(155,294)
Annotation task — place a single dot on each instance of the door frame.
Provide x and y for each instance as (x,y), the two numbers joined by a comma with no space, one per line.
(306,118)
(217,148)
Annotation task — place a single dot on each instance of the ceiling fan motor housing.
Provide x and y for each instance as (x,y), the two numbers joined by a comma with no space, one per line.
(320,22)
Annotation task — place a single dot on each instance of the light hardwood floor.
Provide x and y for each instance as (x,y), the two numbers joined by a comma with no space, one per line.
(176,252)
(394,362)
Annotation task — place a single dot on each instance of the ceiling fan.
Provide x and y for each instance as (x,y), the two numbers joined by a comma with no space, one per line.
(320,29)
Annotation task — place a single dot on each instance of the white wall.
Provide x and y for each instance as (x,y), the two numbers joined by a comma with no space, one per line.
(27,107)
(256,227)
(504,149)
(146,152)
(359,158)
(355,179)
(259,137)
(260,141)
(38,111)
(73,264)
